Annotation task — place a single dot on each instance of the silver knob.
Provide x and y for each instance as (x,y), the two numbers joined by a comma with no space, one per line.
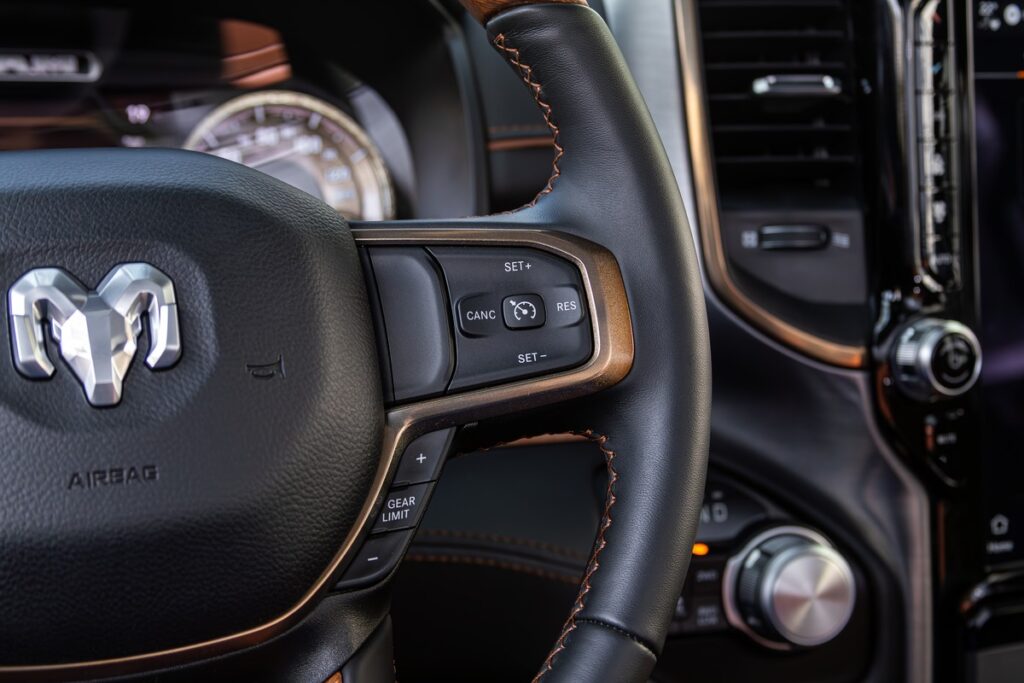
(789,587)
(935,358)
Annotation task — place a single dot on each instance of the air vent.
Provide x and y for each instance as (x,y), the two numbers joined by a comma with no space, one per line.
(781,84)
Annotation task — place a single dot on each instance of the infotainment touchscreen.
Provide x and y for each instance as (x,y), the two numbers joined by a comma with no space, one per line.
(999,133)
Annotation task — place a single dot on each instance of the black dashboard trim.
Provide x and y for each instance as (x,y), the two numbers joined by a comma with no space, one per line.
(698,131)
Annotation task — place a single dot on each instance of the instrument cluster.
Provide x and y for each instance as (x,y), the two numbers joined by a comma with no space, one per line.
(304,141)
(223,87)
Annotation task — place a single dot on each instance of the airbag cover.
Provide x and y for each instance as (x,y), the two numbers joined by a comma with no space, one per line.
(214,495)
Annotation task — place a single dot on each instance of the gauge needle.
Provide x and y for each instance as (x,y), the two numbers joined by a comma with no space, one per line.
(270,158)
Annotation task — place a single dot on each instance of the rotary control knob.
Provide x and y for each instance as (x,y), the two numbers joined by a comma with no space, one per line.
(935,358)
(789,587)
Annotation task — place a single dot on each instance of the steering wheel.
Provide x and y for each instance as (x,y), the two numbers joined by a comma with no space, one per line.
(218,513)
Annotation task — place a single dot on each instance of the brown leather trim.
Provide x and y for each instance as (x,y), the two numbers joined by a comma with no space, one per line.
(336,678)
(542,440)
(526,72)
(47,121)
(483,10)
(241,65)
(531,142)
(253,55)
(499,129)
(595,558)
(265,78)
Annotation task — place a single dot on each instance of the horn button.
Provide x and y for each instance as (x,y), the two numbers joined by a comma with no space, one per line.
(215,487)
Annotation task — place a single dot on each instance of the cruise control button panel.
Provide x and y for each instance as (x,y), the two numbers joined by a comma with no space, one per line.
(454,318)
(543,322)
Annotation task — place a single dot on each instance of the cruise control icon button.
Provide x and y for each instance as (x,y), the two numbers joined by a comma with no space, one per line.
(523,311)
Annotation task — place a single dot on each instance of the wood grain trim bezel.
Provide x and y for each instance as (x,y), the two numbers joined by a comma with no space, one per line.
(610,362)
(482,10)
(706,196)
(522,142)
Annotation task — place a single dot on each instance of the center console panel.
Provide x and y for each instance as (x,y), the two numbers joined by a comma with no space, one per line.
(949,383)
(767,597)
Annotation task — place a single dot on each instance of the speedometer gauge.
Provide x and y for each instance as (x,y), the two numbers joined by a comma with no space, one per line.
(304,142)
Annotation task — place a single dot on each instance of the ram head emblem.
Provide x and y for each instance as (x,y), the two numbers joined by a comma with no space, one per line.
(97,331)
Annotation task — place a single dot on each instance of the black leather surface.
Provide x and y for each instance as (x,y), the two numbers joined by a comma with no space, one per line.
(259,480)
(615,187)
(536,505)
(599,652)
(466,623)
(374,663)
(311,652)
(504,542)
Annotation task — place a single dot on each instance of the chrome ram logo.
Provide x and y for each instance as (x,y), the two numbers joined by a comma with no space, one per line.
(97,331)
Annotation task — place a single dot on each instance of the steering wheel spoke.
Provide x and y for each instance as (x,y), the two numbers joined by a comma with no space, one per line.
(481,319)
(478,321)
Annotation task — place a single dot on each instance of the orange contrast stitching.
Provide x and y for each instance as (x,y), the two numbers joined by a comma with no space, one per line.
(493,564)
(599,545)
(526,73)
(502,539)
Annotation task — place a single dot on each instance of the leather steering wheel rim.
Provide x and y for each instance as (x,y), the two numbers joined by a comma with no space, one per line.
(611,183)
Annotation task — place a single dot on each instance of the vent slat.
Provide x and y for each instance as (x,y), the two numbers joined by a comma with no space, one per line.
(767,67)
(780,146)
(774,4)
(727,128)
(756,34)
(751,98)
(779,159)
